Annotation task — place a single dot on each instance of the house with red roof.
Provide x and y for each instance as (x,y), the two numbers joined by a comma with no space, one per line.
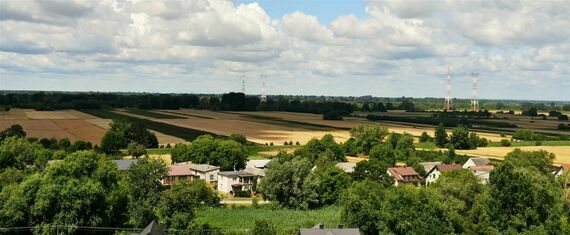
(405,175)
(435,172)
(482,172)
(177,173)
(562,169)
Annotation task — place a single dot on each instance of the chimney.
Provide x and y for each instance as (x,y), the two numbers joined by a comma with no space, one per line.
(341,226)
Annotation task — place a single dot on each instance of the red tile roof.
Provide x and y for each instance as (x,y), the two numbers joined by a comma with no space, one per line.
(179,170)
(398,172)
(566,166)
(482,168)
(448,167)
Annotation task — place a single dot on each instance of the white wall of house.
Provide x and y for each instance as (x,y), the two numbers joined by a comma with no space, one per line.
(225,183)
(483,176)
(208,176)
(468,163)
(433,176)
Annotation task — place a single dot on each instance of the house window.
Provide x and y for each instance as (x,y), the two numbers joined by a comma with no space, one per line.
(234,178)
(211,177)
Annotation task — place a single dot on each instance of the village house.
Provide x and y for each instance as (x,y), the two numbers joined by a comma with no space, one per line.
(178,173)
(124,164)
(231,181)
(562,169)
(482,172)
(320,229)
(204,172)
(436,172)
(405,175)
(476,161)
(429,165)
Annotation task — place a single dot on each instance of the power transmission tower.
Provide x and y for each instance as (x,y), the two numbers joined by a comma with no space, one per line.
(242,82)
(474,99)
(447,103)
(263,97)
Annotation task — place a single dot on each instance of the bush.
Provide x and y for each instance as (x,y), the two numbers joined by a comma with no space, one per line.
(538,143)
(505,143)
(425,137)
(242,193)
(297,143)
(285,143)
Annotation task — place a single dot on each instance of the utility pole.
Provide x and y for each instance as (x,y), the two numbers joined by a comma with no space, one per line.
(447,103)
(474,99)
(263,97)
(243,82)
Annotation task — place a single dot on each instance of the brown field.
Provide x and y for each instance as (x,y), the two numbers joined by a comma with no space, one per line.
(70,124)
(562,152)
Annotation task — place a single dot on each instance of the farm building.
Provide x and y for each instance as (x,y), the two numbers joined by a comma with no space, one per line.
(482,172)
(562,169)
(476,161)
(434,174)
(347,167)
(405,175)
(231,181)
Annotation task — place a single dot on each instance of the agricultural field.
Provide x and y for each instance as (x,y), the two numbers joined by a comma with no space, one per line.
(287,221)
(562,152)
(71,124)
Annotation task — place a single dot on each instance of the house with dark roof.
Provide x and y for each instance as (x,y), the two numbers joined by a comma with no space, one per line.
(436,172)
(177,173)
(482,172)
(231,181)
(476,161)
(405,175)
(320,229)
(124,164)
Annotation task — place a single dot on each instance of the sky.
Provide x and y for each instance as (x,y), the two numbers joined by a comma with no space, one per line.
(385,48)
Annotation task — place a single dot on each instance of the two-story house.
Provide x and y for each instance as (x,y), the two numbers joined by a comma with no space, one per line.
(230,181)
(204,172)
(177,173)
(436,172)
(405,175)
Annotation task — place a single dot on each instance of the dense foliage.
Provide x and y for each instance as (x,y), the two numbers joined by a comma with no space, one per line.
(227,154)
(121,133)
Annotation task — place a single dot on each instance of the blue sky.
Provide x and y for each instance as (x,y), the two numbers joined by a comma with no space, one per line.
(386,48)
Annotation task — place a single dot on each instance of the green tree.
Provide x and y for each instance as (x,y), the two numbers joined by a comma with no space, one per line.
(181,153)
(13,131)
(19,153)
(229,155)
(440,136)
(325,146)
(284,180)
(360,206)
(323,186)
(201,148)
(143,182)
(424,137)
(460,138)
(136,150)
(373,170)
(384,153)
(238,138)
(366,136)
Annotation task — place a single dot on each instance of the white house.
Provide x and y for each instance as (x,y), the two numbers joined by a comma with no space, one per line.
(476,161)
(562,169)
(429,165)
(230,181)
(482,172)
(435,172)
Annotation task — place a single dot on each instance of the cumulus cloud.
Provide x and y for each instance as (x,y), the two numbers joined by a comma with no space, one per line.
(392,48)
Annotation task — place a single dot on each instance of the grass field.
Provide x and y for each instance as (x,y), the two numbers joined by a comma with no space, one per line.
(286,221)
(173,130)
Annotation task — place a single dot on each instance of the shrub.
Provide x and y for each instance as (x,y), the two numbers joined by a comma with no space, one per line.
(538,143)
(285,143)
(505,143)
(242,193)
(424,137)
(297,143)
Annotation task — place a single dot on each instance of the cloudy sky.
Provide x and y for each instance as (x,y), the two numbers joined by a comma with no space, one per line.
(520,49)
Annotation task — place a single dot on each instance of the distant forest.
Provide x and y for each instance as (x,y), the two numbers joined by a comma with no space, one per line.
(241,102)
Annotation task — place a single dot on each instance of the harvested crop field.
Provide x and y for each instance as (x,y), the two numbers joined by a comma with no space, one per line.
(71,124)
(562,152)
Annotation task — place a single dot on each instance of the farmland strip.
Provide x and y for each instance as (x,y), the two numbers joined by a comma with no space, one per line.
(177,131)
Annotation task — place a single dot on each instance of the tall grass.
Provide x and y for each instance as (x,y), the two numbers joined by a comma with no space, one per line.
(287,221)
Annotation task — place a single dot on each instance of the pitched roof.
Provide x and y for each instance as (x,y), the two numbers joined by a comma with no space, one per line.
(198,167)
(125,164)
(398,172)
(235,173)
(179,170)
(448,167)
(566,166)
(257,163)
(329,231)
(347,167)
(429,165)
(482,168)
(480,161)
(153,229)
(255,171)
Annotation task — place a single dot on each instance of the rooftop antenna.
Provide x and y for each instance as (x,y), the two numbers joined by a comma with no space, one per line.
(447,103)
(263,97)
(474,99)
